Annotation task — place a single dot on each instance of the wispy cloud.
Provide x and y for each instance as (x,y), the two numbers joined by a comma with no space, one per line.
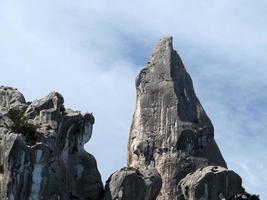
(91,51)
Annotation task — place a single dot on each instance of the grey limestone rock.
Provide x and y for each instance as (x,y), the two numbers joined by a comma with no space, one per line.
(131,184)
(212,182)
(170,130)
(42,152)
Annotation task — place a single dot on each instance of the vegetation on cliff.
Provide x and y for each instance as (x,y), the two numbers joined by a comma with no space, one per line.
(21,125)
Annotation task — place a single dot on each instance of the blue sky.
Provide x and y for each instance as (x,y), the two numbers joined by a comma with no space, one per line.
(91,52)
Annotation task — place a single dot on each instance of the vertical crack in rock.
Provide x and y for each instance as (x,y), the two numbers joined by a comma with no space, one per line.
(42,152)
(170,130)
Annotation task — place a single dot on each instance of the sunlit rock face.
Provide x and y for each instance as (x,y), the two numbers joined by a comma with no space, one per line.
(42,152)
(170,130)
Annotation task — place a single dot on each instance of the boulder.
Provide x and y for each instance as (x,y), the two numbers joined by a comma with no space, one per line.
(211,182)
(131,184)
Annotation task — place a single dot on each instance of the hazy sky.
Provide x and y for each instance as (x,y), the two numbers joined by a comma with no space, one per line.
(91,51)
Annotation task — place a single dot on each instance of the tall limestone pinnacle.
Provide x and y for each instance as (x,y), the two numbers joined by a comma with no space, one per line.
(170,130)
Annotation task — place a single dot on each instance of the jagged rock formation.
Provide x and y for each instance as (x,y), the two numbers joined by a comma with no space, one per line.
(170,129)
(172,154)
(210,183)
(42,152)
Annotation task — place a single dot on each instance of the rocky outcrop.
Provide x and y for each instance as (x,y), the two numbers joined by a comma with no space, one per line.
(10,98)
(42,152)
(212,182)
(170,129)
(131,184)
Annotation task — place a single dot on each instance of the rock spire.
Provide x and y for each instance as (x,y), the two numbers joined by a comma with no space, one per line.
(170,129)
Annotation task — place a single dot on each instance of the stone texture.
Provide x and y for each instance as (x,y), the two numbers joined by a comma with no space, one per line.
(212,182)
(46,159)
(131,184)
(170,130)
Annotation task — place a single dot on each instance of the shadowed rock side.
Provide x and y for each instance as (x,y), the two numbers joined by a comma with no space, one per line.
(42,152)
(170,130)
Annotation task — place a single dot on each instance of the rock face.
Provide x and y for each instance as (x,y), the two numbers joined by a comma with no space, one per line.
(42,152)
(170,130)
(212,182)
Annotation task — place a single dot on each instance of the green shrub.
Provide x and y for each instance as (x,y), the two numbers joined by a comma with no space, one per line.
(21,125)
(245,196)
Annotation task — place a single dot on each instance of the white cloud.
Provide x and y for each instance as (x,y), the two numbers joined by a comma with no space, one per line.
(91,51)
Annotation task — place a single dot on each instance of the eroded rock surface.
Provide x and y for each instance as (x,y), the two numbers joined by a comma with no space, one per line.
(42,152)
(170,129)
(212,182)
